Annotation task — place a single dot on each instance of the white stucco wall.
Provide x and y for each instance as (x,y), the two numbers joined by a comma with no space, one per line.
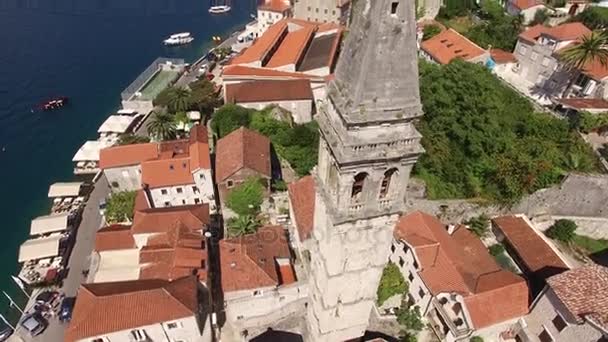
(301,110)
(187,330)
(320,11)
(267,19)
(544,310)
(204,193)
(127,178)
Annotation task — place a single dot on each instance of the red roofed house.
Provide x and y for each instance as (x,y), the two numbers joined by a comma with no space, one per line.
(530,249)
(270,12)
(294,96)
(526,8)
(165,243)
(241,155)
(171,173)
(258,280)
(302,208)
(449,45)
(143,310)
(573,306)
(539,69)
(455,281)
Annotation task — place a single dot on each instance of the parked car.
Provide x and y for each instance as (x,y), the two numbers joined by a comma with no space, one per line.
(5,331)
(46,297)
(34,323)
(67,305)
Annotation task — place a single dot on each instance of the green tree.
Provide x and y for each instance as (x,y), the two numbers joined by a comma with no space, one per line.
(130,139)
(181,117)
(587,122)
(476,339)
(591,48)
(246,198)
(391,283)
(203,96)
(242,225)
(161,126)
(562,230)
(541,17)
(496,249)
(479,225)
(163,98)
(120,207)
(497,30)
(430,31)
(179,100)
(230,118)
(409,318)
(594,17)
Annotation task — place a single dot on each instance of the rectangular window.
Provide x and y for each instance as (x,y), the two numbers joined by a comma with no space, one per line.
(410,277)
(139,335)
(173,325)
(394,6)
(401,262)
(545,336)
(415,264)
(421,293)
(197,201)
(179,190)
(229,184)
(163,191)
(257,293)
(184,202)
(546,61)
(195,189)
(522,50)
(533,56)
(167,204)
(125,174)
(559,323)
(392,248)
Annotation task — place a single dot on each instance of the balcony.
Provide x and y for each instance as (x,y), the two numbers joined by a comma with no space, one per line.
(444,319)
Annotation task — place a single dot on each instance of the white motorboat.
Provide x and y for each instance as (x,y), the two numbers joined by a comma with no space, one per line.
(219,9)
(179,39)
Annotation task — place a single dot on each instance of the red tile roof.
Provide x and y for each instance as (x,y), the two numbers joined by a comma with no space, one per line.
(563,32)
(127,155)
(249,262)
(268,91)
(302,200)
(234,71)
(449,45)
(199,148)
(525,4)
(460,263)
(292,48)
(596,70)
(114,237)
(501,56)
(193,217)
(242,149)
(103,308)
(584,292)
(531,248)
(583,103)
(263,45)
(279,6)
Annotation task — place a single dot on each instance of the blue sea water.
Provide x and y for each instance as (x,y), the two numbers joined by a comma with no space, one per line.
(89,50)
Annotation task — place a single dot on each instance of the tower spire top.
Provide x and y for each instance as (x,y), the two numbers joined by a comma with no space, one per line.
(377,74)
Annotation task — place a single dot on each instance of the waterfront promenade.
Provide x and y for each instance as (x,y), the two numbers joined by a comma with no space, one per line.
(79,261)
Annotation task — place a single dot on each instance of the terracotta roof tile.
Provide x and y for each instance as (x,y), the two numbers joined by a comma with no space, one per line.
(501,56)
(449,45)
(563,32)
(460,263)
(103,308)
(531,248)
(261,47)
(113,238)
(596,70)
(302,200)
(249,262)
(583,103)
(292,48)
(156,220)
(127,155)
(268,91)
(584,291)
(236,71)
(240,149)
(279,6)
(525,4)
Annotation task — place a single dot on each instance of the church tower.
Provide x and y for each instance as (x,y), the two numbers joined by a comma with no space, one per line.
(368,148)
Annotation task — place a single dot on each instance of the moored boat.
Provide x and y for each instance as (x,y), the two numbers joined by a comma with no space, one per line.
(217,8)
(55,103)
(179,39)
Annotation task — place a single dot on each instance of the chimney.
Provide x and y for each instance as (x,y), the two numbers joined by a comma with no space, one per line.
(451,228)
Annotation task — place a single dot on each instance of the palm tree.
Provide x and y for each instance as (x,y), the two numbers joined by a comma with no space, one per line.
(591,48)
(179,100)
(242,225)
(162,126)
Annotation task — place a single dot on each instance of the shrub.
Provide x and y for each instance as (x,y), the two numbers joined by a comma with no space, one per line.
(246,199)
(129,139)
(430,31)
(562,230)
(476,339)
(409,318)
(391,283)
(496,249)
(120,207)
(479,225)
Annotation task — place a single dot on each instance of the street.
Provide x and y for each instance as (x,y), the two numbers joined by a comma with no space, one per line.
(79,261)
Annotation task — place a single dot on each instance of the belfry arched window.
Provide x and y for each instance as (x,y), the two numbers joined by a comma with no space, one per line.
(358,184)
(386,182)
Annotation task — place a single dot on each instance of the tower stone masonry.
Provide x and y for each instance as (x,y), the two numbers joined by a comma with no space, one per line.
(368,147)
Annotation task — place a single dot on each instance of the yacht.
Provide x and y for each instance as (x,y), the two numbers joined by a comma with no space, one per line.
(179,39)
(216,8)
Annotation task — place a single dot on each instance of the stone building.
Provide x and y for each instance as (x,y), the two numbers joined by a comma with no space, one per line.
(322,11)
(368,147)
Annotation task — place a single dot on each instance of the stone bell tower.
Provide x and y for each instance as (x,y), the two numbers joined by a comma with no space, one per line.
(368,148)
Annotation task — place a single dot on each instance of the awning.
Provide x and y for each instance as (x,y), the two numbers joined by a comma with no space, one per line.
(90,150)
(49,224)
(65,189)
(39,248)
(116,124)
